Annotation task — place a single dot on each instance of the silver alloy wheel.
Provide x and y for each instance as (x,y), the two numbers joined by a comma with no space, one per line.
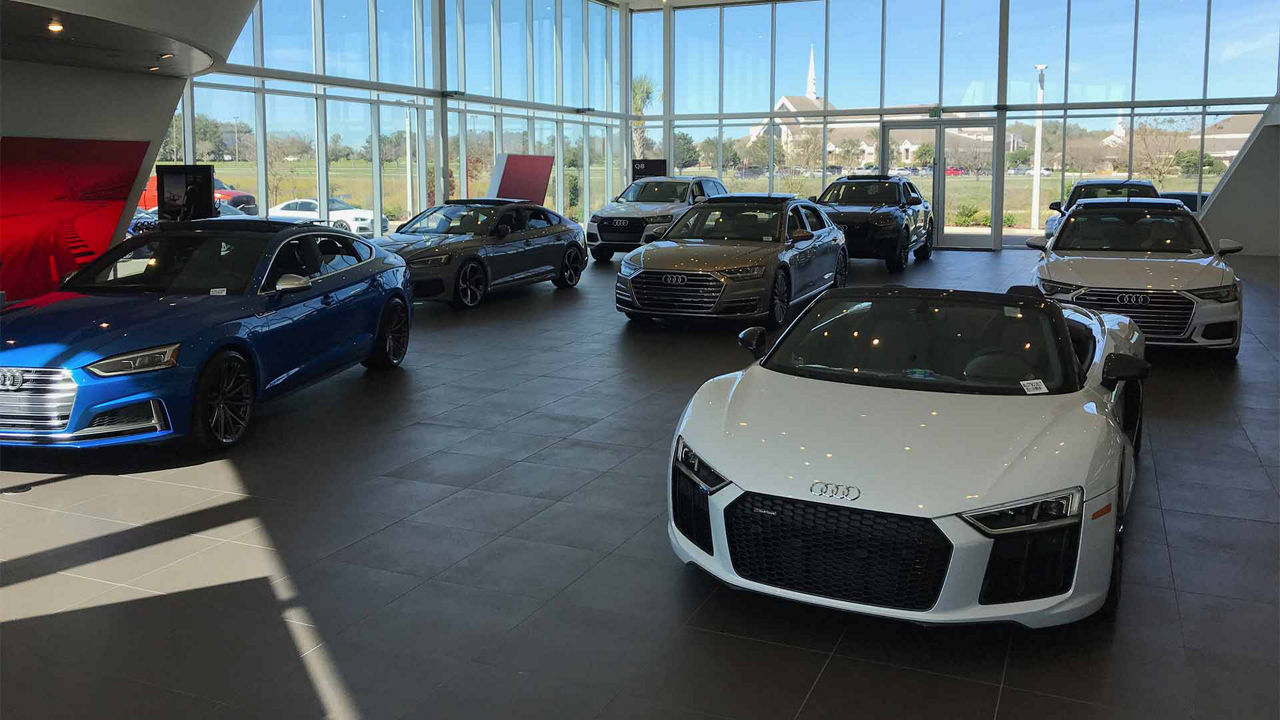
(471,284)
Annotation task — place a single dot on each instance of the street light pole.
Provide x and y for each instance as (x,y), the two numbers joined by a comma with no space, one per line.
(236,129)
(1035,177)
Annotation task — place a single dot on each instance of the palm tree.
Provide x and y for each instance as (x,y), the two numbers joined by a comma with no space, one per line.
(643,93)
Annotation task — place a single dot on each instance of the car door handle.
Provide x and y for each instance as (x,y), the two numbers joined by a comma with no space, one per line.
(327,299)
(528,241)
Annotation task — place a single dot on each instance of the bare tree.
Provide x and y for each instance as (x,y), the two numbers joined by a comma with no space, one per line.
(1156,142)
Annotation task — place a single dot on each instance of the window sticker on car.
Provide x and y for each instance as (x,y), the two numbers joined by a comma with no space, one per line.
(767,238)
(1012,312)
(217,291)
(1034,387)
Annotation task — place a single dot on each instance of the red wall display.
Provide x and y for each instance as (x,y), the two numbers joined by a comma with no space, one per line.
(521,177)
(60,202)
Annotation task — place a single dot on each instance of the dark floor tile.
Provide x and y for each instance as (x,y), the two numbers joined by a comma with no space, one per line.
(387,495)
(333,594)
(1224,501)
(763,617)
(583,454)
(623,492)
(1147,564)
(1248,477)
(626,706)
(581,526)
(486,692)
(652,542)
(413,548)
(1246,537)
(734,677)
(622,433)
(1228,686)
(663,591)
(479,416)
(483,511)
(449,468)
(974,652)
(1227,626)
(593,406)
(534,480)
(540,423)
(1247,576)
(502,444)
(519,566)
(1144,524)
(879,691)
(1023,705)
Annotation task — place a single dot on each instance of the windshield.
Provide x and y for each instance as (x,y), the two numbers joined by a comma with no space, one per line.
(190,264)
(1131,230)
(861,193)
(336,204)
(727,222)
(452,220)
(659,191)
(1089,192)
(925,343)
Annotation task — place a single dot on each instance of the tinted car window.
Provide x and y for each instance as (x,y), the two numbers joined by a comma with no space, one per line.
(1130,230)
(658,191)
(157,262)
(336,254)
(1087,192)
(308,206)
(513,219)
(290,206)
(921,343)
(451,220)
(813,217)
(794,222)
(865,192)
(727,222)
(298,256)
(538,220)
(364,251)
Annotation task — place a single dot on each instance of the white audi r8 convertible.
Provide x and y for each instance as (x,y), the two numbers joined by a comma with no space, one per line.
(1148,259)
(932,455)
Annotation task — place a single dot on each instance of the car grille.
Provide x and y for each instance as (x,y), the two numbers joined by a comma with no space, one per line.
(852,230)
(872,558)
(42,403)
(628,232)
(690,510)
(697,293)
(1165,316)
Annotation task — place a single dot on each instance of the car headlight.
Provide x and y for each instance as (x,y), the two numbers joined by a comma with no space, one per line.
(1225,293)
(595,218)
(687,460)
(1049,287)
(430,261)
(1041,513)
(744,273)
(657,220)
(156,358)
(628,269)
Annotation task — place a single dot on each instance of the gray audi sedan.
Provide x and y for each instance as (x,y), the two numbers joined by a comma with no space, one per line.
(459,251)
(734,256)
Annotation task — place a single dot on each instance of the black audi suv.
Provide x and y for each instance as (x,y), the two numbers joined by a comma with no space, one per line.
(882,216)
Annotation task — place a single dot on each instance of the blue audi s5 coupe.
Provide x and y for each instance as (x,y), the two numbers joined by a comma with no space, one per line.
(181,332)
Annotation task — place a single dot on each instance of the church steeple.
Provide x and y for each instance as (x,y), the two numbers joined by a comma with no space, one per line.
(811,89)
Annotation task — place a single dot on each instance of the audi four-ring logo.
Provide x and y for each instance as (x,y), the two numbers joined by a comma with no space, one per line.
(832,490)
(1133,299)
(11,379)
(674,280)
(619,222)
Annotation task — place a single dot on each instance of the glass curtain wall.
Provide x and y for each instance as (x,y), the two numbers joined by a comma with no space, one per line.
(522,72)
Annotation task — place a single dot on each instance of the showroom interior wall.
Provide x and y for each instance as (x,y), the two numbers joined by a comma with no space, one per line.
(1248,208)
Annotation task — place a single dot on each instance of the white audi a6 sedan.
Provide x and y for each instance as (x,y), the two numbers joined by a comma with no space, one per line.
(1148,259)
(932,455)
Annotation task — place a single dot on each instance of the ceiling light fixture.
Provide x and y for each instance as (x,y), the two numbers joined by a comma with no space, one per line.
(166,56)
(55,26)
(154,68)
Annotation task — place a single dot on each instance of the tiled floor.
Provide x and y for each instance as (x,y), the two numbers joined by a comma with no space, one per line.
(482,536)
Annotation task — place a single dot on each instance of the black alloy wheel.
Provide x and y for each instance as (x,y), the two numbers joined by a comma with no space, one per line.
(224,402)
(925,251)
(841,277)
(898,262)
(392,341)
(570,268)
(779,299)
(471,285)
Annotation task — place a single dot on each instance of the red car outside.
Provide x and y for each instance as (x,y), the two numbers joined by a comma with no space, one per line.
(221,191)
(953,171)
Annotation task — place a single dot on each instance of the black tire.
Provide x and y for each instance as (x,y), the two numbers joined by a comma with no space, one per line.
(1136,407)
(470,286)
(898,262)
(342,225)
(841,276)
(224,402)
(392,341)
(779,300)
(1228,355)
(571,265)
(1112,602)
(638,318)
(601,255)
(925,251)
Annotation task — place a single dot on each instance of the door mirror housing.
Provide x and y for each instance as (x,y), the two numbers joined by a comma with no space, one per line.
(289,282)
(813,198)
(699,198)
(653,232)
(1122,366)
(1036,243)
(753,340)
(502,231)
(1056,206)
(915,201)
(1227,247)
(801,236)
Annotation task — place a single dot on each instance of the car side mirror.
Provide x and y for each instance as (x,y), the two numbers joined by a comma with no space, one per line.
(699,198)
(753,340)
(1226,247)
(801,236)
(653,232)
(289,282)
(502,231)
(1122,366)
(1056,206)
(915,201)
(813,198)
(1038,243)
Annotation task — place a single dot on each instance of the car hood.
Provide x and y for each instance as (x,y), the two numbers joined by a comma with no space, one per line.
(703,254)
(855,212)
(778,434)
(404,244)
(1136,270)
(633,209)
(68,329)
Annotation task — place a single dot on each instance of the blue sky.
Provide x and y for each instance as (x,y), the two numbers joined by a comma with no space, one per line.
(1244,40)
